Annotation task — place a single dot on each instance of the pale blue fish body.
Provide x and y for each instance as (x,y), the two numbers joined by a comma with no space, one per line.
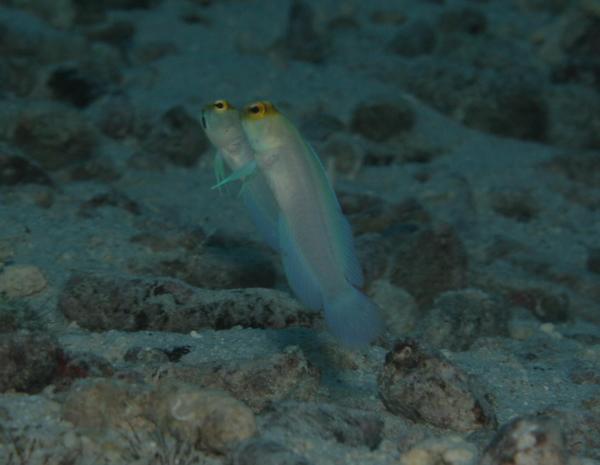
(224,130)
(315,238)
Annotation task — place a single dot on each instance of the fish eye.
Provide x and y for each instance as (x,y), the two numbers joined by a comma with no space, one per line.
(256,108)
(221,105)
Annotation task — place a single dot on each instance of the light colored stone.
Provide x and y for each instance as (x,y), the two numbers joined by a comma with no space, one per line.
(451,450)
(21,281)
(210,419)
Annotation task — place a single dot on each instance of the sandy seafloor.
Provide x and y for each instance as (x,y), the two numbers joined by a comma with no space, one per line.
(463,138)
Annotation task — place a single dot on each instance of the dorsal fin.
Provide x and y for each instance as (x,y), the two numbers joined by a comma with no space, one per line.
(343,241)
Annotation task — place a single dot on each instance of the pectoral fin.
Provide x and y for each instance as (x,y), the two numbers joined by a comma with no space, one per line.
(219,167)
(247,170)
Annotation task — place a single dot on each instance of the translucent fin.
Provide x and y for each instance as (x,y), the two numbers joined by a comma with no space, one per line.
(343,240)
(262,218)
(245,171)
(219,167)
(346,251)
(353,318)
(301,279)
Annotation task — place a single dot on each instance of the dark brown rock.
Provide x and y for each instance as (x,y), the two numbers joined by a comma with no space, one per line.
(73,86)
(381,121)
(508,107)
(113,199)
(429,262)
(425,387)
(459,318)
(178,138)
(104,302)
(28,361)
(414,39)
(15,169)
(55,137)
(302,41)
(546,305)
(593,260)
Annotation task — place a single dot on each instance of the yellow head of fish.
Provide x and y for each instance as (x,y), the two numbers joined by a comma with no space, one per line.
(221,122)
(262,124)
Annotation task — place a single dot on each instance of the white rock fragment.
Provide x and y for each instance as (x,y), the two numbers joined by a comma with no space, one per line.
(451,450)
(21,281)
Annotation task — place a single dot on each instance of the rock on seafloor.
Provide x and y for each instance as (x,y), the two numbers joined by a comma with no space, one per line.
(450,450)
(177,137)
(426,387)
(429,262)
(325,421)
(527,441)
(21,281)
(265,452)
(258,382)
(103,302)
(55,136)
(16,169)
(459,318)
(382,121)
(28,361)
(211,420)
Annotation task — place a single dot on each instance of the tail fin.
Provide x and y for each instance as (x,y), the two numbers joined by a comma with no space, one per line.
(353,318)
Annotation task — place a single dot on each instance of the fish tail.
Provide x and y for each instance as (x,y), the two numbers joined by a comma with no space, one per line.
(352,317)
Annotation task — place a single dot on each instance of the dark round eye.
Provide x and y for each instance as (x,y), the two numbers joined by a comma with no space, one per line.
(255,109)
(220,105)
